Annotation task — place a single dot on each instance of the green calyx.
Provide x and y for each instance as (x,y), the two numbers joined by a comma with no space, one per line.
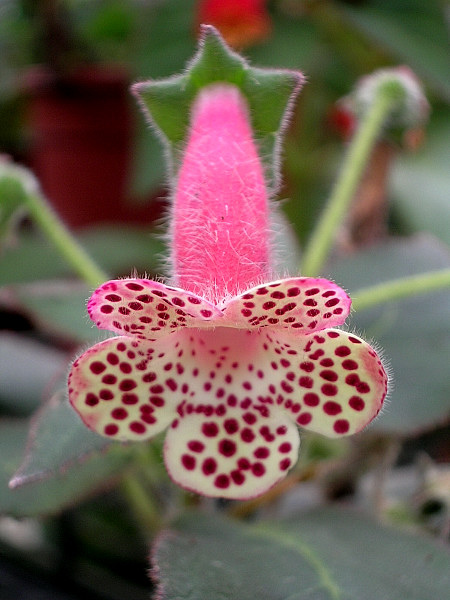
(269,94)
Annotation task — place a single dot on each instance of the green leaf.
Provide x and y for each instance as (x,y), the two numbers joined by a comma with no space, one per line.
(59,309)
(118,250)
(414,333)
(63,463)
(420,183)
(326,554)
(268,93)
(27,368)
(47,496)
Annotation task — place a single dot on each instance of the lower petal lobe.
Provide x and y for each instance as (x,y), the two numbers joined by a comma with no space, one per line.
(119,388)
(238,451)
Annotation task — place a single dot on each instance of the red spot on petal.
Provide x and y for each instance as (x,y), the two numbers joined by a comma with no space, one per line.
(307,366)
(332,408)
(119,414)
(91,399)
(196,446)
(222,481)
(237,477)
(363,387)
(329,389)
(227,447)
(111,429)
(249,418)
(311,399)
(349,365)
(306,382)
(304,419)
(231,426)
(258,469)
(136,287)
(209,466)
(97,367)
(210,429)
(243,464)
(188,461)
(285,447)
(329,375)
(341,426)
(137,427)
(261,452)
(356,403)
(285,464)
(247,435)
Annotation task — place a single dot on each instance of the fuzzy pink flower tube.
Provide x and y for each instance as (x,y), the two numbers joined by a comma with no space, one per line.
(227,360)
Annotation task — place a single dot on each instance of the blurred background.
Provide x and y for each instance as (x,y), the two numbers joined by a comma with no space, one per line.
(66,112)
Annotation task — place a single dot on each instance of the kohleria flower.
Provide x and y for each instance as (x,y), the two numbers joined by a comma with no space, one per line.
(229,360)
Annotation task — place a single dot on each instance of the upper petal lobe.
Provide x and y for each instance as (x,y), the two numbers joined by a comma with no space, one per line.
(300,304)
(147,309)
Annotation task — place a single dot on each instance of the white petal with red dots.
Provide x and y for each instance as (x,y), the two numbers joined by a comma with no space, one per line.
(300,304)
(333,382)
(120,387)
(148,309)
(238,451)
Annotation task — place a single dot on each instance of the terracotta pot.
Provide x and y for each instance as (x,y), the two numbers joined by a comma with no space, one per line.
(81,131)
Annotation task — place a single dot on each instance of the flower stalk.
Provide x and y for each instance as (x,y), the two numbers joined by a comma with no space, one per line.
(385,100)
(399,289)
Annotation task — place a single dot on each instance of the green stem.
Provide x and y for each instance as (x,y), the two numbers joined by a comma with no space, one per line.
(353,168)
(66,244)
(397,289)
(140,501)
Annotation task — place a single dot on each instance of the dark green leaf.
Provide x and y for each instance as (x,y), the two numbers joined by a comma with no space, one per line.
(27,369)
(323,555)
(58,440)
(49,496)
(118,250)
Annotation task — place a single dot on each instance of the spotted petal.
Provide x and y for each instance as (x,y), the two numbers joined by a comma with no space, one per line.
(147,309)
(237,451)
(301,304)
(117,389)
(333,382)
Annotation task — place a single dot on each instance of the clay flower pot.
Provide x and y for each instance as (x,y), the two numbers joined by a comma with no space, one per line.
(81,132)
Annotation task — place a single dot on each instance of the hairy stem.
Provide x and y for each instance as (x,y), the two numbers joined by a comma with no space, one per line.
(353,168)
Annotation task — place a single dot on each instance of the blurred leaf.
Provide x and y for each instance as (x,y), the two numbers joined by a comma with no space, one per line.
(11,205)
(27,369)
(413,32)
(48,496)
(63,463)
(421,183)
(58,308)
(167,45)
(118,250)
(414,333)
(322,555)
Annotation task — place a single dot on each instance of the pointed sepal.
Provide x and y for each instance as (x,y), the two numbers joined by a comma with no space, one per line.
(269,94)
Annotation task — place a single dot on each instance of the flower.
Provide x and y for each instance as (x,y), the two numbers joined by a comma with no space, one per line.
(226,359)
(242,23)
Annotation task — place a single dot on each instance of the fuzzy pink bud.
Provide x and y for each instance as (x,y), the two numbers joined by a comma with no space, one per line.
(220,218)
